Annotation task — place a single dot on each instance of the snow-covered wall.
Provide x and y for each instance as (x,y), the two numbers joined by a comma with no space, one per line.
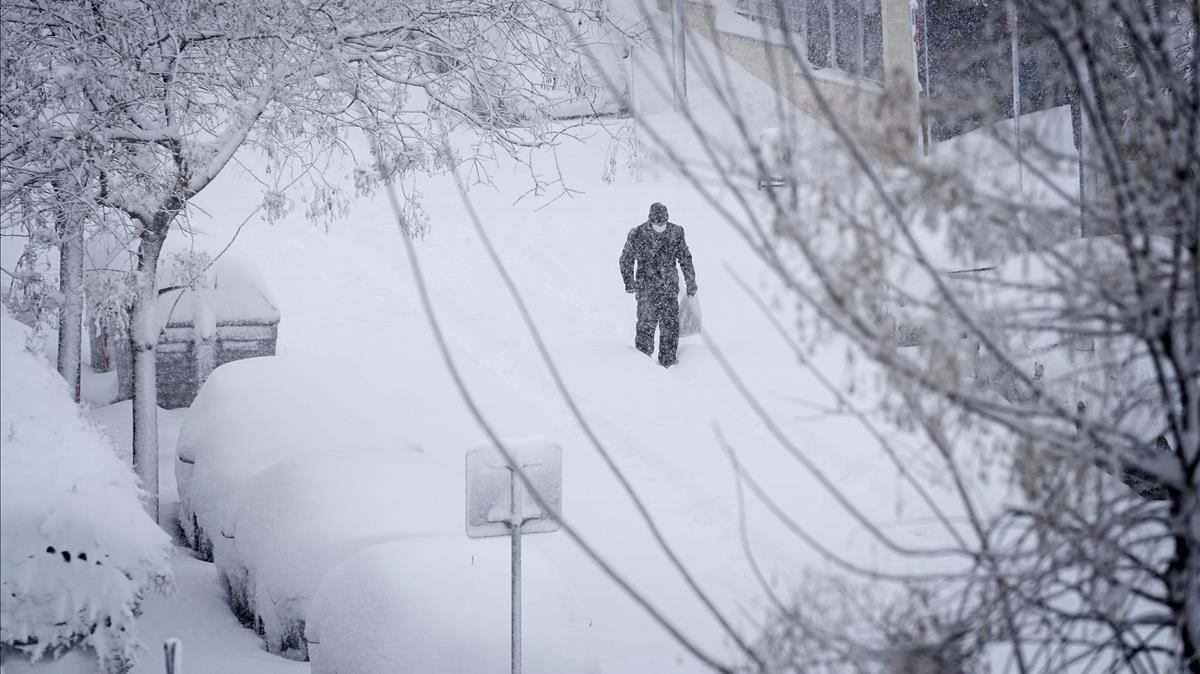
(886,114)
(77,550)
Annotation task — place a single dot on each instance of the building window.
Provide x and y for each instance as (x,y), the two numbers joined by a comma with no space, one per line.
(843,35)
(768,12)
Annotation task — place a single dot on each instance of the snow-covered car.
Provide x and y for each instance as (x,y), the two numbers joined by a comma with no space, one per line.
(301,516)
(287,465)
(442,605)
(253,413)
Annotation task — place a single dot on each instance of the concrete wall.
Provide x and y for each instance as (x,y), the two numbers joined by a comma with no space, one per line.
(900,68)
(183,363)
(885,115)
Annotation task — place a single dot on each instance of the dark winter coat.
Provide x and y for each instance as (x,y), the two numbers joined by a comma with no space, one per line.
(655,256)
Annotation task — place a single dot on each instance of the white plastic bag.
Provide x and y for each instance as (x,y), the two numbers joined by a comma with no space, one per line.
(689,315)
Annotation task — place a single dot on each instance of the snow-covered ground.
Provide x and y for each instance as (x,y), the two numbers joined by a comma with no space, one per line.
(347,292)
(213,640)
(77,551)
(197,612)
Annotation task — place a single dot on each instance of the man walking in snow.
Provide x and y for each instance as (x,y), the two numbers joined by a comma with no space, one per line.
(652,250)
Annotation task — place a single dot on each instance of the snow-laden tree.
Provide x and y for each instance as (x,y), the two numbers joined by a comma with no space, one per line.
(54,224)
(1026,346)
(150,101)
(80,553)
(55,277)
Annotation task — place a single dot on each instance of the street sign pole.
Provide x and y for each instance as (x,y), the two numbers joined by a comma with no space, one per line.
(540,461)
(679,55)
(515,523)
(1014,36)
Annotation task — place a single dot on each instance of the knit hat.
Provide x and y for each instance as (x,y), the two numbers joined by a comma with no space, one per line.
(658,212)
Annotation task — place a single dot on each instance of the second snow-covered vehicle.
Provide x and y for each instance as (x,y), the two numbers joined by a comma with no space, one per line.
(252,413)
(289,465)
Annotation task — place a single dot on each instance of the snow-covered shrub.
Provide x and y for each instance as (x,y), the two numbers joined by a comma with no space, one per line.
(299,518)
(77,551)
(442,605)
(252,413)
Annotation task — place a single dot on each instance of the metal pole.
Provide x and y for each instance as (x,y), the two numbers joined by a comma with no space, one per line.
(679,62)
(928,88)
(859,57)
(1014,37)
(832,33)
(1083,191)
(1086,182)
(804,29)
(637,153)
(515,525)
(630,87)
(914,44)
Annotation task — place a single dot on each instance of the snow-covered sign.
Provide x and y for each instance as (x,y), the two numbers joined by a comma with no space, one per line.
(491,484)
(498,504)
(777,156)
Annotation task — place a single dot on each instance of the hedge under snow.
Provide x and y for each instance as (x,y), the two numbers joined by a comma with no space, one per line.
(77,551)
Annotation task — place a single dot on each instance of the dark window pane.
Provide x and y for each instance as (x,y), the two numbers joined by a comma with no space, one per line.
(856,36)
(818,33)
(872,41)
(768,12)
(846,28)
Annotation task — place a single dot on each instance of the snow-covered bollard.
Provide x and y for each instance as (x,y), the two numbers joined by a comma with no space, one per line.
(204,333)
(441,605)
(173,654)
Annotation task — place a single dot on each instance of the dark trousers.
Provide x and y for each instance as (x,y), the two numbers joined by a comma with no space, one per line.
(658,310)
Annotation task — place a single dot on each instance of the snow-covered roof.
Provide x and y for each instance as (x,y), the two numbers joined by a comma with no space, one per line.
(225,306)
(228,292)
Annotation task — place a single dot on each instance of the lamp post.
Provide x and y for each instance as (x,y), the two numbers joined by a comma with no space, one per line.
(679,56)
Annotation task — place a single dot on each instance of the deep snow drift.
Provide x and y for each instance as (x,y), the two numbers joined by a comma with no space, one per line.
(428,594)
(347,293)
(77,551)
(370,378)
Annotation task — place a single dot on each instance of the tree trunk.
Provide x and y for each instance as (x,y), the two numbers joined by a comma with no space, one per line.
(70,285)
(143,336)
(678,55)
(123,361)
(101,360)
